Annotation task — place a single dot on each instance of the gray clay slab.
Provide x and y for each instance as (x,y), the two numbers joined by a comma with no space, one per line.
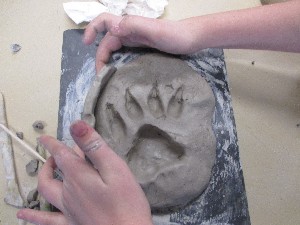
(156,113)
(224,201)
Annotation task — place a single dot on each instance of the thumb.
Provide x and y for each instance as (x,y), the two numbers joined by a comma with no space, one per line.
(104,159)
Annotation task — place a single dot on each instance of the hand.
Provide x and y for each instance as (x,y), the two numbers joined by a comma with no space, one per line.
(269,27)
(137,31)
(105,193)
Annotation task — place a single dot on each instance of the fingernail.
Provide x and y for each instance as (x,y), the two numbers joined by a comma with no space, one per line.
(79,128)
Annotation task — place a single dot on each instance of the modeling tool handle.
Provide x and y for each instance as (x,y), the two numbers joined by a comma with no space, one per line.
(26,146)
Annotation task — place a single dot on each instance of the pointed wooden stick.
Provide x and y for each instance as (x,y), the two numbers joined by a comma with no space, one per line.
(29,149)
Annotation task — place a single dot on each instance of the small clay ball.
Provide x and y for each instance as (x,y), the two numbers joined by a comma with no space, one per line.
(38,125)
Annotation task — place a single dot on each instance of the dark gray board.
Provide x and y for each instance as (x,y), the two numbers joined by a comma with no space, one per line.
(224,201)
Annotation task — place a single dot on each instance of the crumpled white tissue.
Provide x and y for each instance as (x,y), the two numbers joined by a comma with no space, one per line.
(115,7)
(83,11)
(86,11)
(146,8)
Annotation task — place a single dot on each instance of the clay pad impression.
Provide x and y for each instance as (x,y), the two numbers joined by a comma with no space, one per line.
(156,113)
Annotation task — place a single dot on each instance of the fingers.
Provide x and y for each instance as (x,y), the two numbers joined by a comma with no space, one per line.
(78,151)
(132,31)
(42,217)
(102,156)
(70,163)
(101,23)
(60,152)
(136,31)
(49,188)
(108,45)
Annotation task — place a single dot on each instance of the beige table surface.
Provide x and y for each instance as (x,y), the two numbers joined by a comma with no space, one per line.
(30,82)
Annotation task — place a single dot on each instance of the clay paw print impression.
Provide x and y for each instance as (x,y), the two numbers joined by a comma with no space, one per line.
(156,113)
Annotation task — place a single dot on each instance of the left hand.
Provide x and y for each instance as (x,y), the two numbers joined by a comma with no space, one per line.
(138,31)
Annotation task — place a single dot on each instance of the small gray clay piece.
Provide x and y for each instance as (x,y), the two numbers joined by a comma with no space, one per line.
(32,195)
(38,125)
(15,48)
(34,205)
(20,135)
(32,167)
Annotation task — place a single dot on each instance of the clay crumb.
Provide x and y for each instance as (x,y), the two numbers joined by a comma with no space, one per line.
(298,125)
(32,167)
(34,205)
(32,195)
(253,63)
(38,125)
(20,135)
(15,48)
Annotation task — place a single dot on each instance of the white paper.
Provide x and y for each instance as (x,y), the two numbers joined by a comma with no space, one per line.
(146,8)
(86,11)
(83,11)
(115,7)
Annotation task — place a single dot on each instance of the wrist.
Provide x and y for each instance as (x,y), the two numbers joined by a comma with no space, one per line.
(199,33)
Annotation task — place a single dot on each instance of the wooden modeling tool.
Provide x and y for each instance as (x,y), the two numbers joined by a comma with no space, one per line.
(29,149)
(8,150)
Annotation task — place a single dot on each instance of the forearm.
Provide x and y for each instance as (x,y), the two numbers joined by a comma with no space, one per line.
(271,27)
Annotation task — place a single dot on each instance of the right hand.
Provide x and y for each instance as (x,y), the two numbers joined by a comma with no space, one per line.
(105,192)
